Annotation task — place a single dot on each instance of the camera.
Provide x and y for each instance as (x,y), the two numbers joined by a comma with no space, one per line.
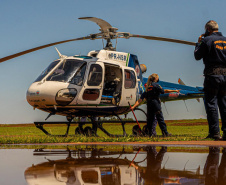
(206,33)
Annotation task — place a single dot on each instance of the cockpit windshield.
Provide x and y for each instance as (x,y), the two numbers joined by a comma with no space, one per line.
(66,71)
(47,70)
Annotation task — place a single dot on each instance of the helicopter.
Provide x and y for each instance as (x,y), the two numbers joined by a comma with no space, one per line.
(102,83)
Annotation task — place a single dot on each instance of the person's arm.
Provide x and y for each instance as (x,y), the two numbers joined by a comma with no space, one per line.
(137,103)
(162,91)
(169,91)
(200,48)
(143,96)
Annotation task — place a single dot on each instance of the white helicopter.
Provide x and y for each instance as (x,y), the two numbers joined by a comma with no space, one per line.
(101,84)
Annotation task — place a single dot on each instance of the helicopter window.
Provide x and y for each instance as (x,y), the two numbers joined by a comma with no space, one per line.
(130,79)
(85,57)
(95,75)
(90,176)
(65,175)
(91,94)
(66,70)
(47,70)
(79,75)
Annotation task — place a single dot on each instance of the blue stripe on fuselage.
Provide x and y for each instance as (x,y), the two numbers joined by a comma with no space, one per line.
(133,62)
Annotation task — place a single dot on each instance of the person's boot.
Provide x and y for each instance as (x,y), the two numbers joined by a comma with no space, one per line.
(215,136)
(166,134)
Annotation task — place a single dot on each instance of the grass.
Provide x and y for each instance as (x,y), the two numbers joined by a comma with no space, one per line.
(182,130)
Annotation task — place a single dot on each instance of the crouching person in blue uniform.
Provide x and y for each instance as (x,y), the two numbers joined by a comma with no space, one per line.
(212,49)
(152,94)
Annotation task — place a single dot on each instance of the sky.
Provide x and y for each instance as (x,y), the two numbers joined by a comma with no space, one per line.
(28,23)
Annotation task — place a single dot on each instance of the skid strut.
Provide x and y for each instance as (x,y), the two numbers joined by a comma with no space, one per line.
(100,126)
(39,125)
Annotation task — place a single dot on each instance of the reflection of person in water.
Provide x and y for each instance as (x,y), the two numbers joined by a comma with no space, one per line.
(222,169)
(211,166)
(154,161)
(215,175)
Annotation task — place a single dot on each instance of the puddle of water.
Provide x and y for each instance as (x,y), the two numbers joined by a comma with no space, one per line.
(111,165)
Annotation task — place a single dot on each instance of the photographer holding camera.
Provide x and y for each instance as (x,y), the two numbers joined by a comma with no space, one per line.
(212,49)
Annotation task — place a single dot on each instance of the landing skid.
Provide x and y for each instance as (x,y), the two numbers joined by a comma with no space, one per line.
(90,131)
(79,130)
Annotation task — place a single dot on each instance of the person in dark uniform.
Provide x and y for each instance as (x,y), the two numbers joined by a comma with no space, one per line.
(212,49)
(151,94)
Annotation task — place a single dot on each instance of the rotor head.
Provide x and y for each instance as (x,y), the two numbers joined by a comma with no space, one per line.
(107,32)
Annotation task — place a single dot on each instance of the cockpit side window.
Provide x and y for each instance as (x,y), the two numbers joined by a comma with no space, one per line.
(95,75)
(79,76)
(130,79)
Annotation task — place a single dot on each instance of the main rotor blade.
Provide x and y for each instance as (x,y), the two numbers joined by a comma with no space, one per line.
(40,47)
(104,25)
(163,39)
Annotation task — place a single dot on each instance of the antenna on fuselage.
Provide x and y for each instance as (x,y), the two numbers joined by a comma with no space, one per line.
(165,107)
(60,55)
(186,106)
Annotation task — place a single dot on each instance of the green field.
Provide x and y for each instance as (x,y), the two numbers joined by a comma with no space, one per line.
(182,130)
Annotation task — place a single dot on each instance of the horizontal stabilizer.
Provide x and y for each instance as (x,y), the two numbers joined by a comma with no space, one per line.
(182,83)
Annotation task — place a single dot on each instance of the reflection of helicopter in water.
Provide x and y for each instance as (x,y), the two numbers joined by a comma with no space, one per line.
(99,84)
(83,170)
(102,167)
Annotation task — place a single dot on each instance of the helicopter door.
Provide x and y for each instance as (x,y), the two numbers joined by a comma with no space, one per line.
(129,87)
(92,90)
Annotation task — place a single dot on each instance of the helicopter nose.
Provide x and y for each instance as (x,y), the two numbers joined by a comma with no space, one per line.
(34,96)
(50,94)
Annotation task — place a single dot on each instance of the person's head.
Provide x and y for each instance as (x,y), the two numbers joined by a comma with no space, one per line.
(211,26)
(152,78)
